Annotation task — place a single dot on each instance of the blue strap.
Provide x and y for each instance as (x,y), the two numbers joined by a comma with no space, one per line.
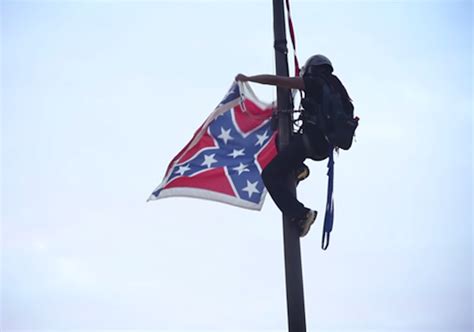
(329,215)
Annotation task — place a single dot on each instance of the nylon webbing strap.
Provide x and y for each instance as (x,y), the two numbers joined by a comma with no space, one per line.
(293,39)
(329,215)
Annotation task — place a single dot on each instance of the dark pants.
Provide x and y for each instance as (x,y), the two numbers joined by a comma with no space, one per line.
(282,168)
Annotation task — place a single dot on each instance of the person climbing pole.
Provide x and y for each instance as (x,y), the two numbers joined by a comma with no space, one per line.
(315,78)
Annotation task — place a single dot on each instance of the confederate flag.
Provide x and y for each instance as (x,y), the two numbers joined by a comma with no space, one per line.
(224,159)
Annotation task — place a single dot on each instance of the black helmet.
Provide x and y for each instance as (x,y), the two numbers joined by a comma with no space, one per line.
(316,60)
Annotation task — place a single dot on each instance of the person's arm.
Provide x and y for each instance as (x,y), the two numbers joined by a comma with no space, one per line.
(281,81)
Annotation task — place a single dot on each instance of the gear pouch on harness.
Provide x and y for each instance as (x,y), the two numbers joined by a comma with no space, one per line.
(334,116)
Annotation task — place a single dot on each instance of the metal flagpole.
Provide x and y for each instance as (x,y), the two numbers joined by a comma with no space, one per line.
(291,238)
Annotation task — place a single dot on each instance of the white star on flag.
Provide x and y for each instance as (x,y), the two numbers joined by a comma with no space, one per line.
(251,188)
(182,169)
(237,153)
(262,138)
(209,160)
(225,135)
(241,168)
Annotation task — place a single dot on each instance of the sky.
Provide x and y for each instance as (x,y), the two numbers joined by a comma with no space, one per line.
(98,96)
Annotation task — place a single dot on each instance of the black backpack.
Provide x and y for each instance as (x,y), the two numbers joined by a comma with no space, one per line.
(333,115)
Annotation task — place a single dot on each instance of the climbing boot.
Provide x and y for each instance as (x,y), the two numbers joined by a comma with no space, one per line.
(302,172)
(306,222)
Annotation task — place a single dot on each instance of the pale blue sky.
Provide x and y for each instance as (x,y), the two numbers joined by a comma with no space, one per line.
(97,97)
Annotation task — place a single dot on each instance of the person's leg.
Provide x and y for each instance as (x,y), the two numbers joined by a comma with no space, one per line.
(277,173)
(315,142)
(301,170)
